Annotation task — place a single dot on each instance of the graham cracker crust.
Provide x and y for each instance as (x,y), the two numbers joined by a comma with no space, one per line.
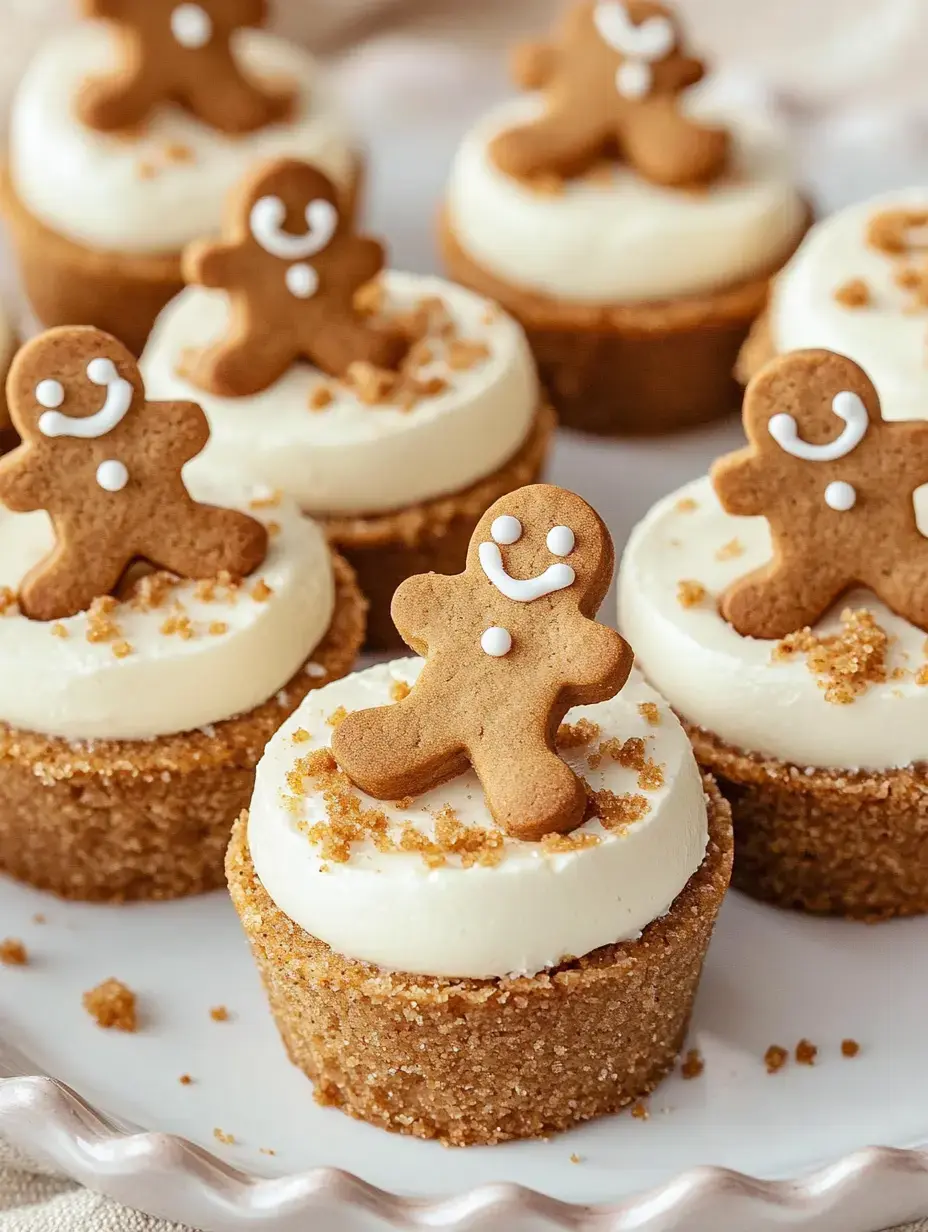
(481,1061)
(629,369)
(122,293)
(831,842)
(117,820)
(429,537)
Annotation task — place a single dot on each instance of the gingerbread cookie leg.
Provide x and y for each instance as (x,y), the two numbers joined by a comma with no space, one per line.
(394,751)
(118,103)
(236,368)
(781,597)
(552,145)
(668,148)
(904,585)
(335,348)
(561,806)
(70,579)
(202,541)
(236,110)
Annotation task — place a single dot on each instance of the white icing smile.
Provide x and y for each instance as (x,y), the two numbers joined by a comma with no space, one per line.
(118,400)
(523,590)
(846,406)
(266,221)
(641,46)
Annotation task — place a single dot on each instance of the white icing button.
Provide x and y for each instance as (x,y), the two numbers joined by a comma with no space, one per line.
(191,26)
(506,529)
(840,496)
(633,79)
(560,540)
(112,476)
(496,641)
(49,393)
(302,281)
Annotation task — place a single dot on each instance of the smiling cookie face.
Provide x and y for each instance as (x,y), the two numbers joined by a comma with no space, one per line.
(76,383)
(288,212)
(542,541)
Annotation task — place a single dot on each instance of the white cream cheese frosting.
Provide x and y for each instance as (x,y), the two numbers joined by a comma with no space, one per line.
(348,456)
(615,237)
(737,687)
(526,912)
(155,191)
(202,654)
(884,336)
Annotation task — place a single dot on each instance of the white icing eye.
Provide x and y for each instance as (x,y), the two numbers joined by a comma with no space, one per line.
(496,642)
(840,496)
(191,26)
(302,281)
(506,529)
(560,540)
(112,476)
(49,394)
(102,371)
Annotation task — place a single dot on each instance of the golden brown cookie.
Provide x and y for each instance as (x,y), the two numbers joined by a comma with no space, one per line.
(291,264)
(106,465)
(836,482)
(611,83)
(180,53)
(511,646)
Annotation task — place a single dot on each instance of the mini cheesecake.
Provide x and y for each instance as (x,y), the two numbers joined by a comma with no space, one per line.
(817,740)
(435,977)
(99,220)
(130,732)
(398,467)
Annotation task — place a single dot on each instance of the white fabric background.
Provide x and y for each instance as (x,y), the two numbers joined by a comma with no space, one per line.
(848,74)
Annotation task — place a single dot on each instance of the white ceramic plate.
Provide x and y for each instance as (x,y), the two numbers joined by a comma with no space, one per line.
(772,978)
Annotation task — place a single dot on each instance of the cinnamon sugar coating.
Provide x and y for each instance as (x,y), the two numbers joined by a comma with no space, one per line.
(832,842)
(482,1061)
(117,820)
(430,537)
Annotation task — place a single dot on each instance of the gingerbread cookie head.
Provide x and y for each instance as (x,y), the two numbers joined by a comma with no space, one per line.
(291,264)
(106,465)
(835,481)
(182,53)
(510,646)
(611,81)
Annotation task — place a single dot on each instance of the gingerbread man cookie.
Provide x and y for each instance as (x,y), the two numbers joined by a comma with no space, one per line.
(106,465)
(291,266)
(180,53)
(612,83)
(511,646)
(836,482)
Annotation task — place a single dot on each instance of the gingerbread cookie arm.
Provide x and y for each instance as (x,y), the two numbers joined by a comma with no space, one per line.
(203,541)
(420,605)
(911,454)
(208,263)
(739,483)
(120,101)
(359,260)
(239,105)
(24,486)
(552,145)
(597,664)
(533,65)
(669,148)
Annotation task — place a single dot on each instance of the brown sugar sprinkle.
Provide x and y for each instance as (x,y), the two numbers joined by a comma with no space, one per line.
(151,590)
(300,736)
(651,712)
(806,1052)
(370,384)
(846,663)
(8,601)
(267,1150)
(406,803)
(338,715)
(38,918)
(320,398)
(630,754)
(849,1048)
(370,300)
(221,1136)
(273,529)
(100,624)
(651,776)
(690,593)
(122,650)
(178,624)
(58,630)
(639,1111)
(730,550)
(112,1005)
(891,231)
(575,1158)
(185,1080)
(347,822)
(775,1058)
(13,953)
(576,735)
(399,689)
(853,294)
(473,844)
(219,1013)
(559,844)
(693,1064)
(261,592)
(463,354)
(686,504)
(271,501)
(145,170)
(616,812)
(420,353)
(218,627)
(178,152)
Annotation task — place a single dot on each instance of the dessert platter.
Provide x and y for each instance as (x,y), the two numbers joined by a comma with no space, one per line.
(413,815)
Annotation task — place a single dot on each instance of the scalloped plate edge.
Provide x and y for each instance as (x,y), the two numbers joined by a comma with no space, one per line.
(50,1122)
